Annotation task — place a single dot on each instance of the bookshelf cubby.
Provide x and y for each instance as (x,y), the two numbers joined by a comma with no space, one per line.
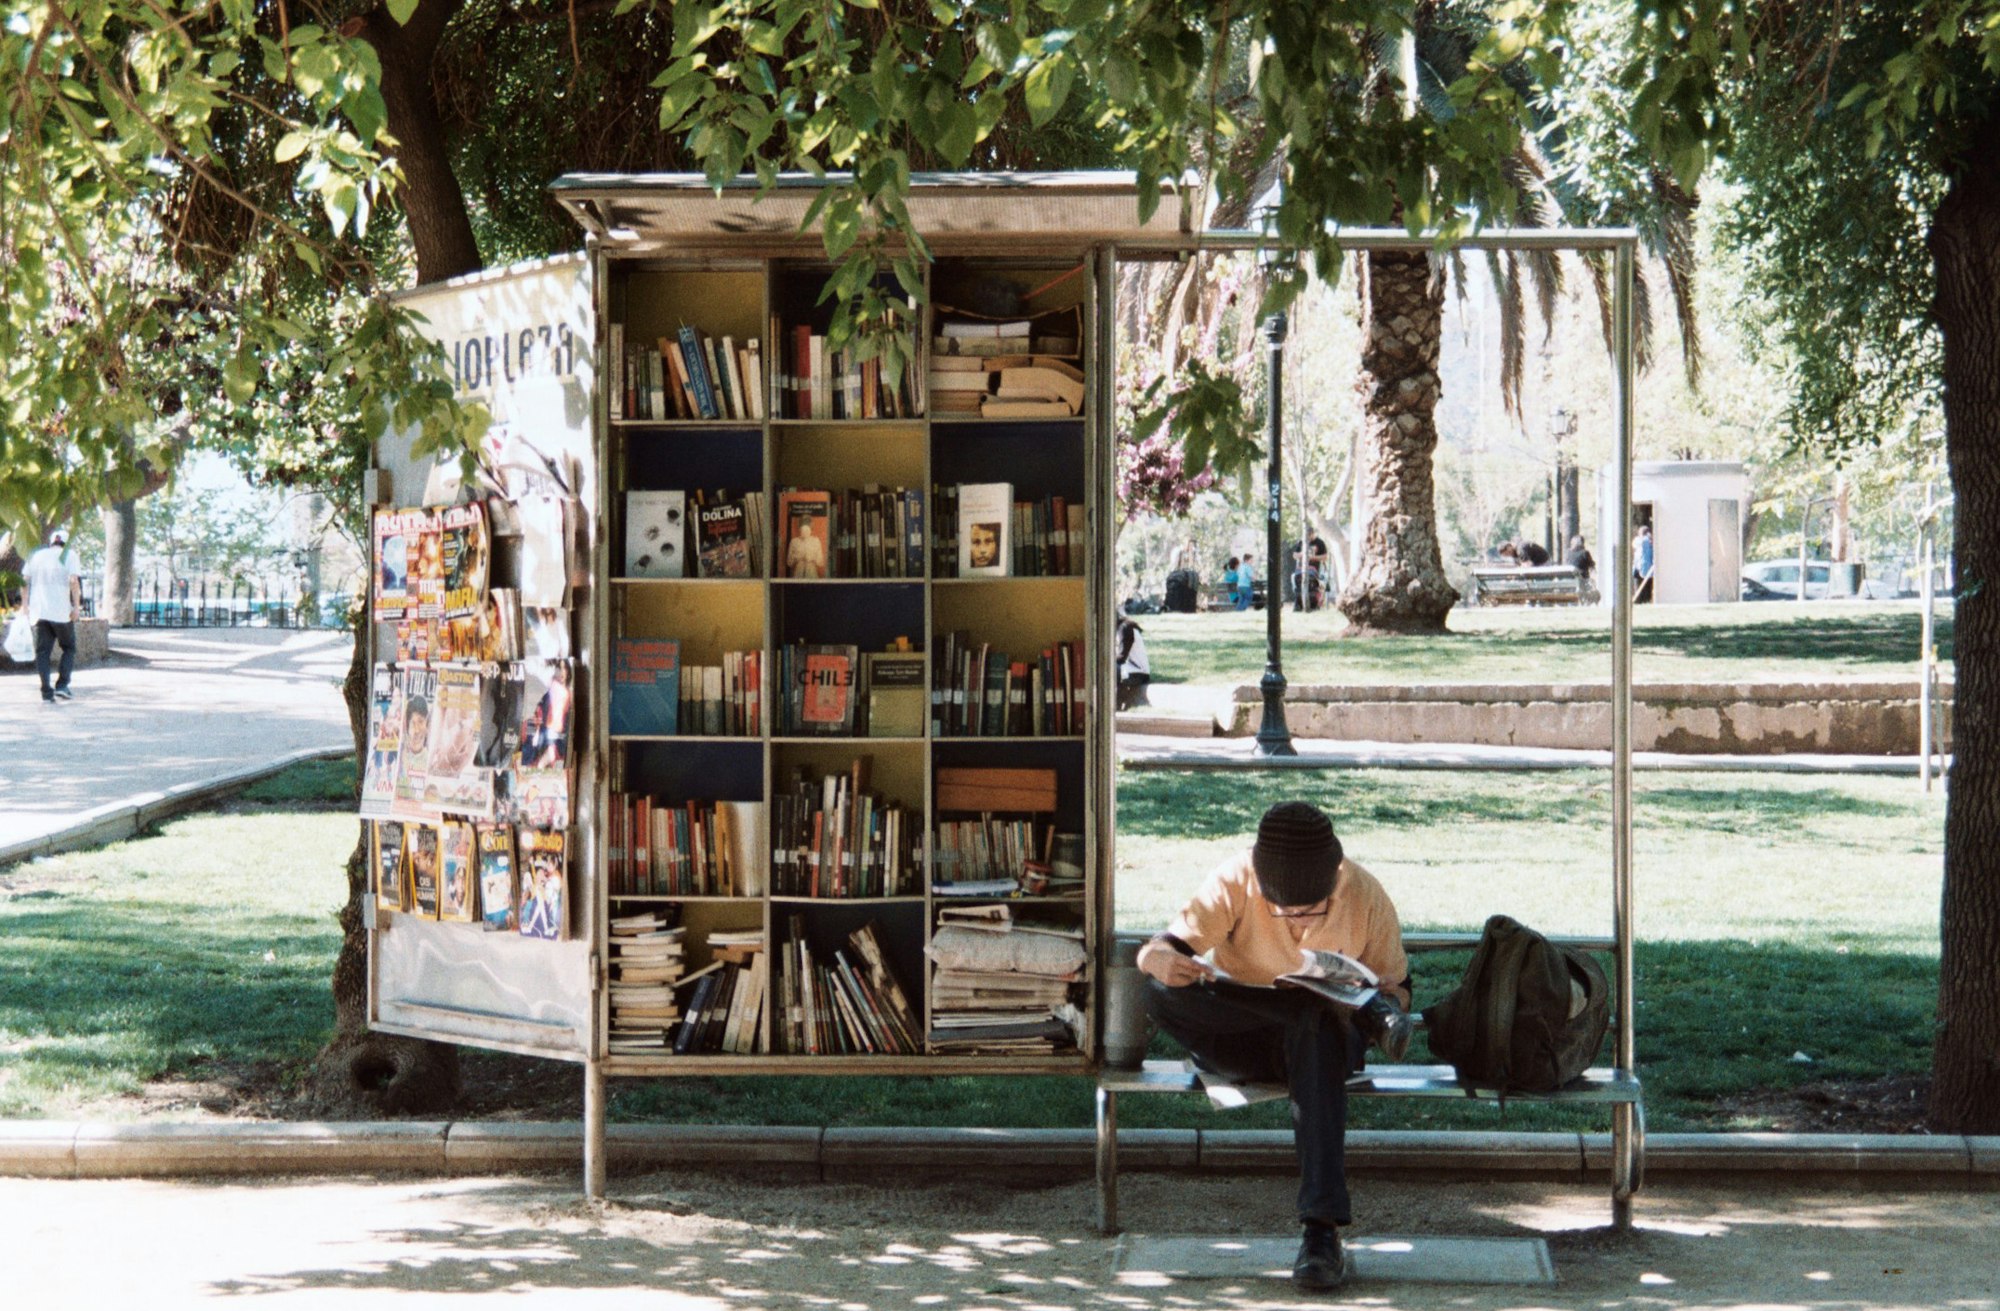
(910,601)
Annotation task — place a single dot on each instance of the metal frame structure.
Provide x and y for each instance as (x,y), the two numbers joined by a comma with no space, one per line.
(1621,245)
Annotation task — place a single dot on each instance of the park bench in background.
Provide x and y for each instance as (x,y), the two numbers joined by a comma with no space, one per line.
(1599,1086)
(1526,584)
(1215,596)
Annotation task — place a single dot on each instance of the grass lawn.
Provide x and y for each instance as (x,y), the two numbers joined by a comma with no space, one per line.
(1715,643)
(1778,914)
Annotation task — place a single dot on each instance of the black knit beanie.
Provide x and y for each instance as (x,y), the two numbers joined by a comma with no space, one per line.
(1296,855)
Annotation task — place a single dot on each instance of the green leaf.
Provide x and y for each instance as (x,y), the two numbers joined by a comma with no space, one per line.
(291,146)
(402,11)
(1047,87)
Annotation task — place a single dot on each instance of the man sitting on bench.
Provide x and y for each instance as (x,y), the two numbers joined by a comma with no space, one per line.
(1254,916)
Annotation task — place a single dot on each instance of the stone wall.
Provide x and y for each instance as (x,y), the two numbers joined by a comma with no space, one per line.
(1838,716)
(93,644)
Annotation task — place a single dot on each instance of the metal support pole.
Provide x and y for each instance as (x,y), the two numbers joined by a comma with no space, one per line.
(593,1131)
(1626,1128)
(1274,738)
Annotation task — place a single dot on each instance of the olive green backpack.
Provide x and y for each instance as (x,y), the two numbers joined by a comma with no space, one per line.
(1528,1016)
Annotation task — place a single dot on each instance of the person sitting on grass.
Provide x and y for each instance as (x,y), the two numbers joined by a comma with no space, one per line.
(1209,985)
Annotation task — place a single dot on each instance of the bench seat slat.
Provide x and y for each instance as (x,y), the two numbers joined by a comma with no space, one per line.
(1601,1084)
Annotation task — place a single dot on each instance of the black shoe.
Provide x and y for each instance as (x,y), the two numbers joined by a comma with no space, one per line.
(1322,1264)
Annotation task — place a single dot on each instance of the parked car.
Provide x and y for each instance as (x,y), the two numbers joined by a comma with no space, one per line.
(1781,579)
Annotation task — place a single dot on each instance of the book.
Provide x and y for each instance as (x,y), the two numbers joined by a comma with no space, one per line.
(466,555)
(391,887)
(645,686)
(458,863)
(826,699)
(804,518)
(982,328)
(544,865)
(723,540)
(985,536)
(414,748)
(498,897)
(393,530)
(699,373)
(420,868)
(998,407)
(897,701)
(1043,380)
(655,534)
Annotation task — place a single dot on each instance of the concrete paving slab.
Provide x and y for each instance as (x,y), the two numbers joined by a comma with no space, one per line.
(932,1149)
(1387,1258)
(131,1150)
(38,1149)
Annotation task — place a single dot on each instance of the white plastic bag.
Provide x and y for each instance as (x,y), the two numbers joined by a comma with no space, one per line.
(20,638)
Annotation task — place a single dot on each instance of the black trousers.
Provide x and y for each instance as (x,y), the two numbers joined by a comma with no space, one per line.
(1272,1035)
(47,637)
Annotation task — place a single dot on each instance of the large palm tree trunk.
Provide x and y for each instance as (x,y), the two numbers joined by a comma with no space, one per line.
(1399,586)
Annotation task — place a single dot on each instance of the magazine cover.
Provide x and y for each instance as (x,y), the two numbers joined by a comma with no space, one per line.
(413,641)
(390,894)
(385,732)
(452,779)
(458,863)
(645,686)
(497,894)
(808,542)
(499,627)
(499,718)
(544,884)
(655,534)
(414,750)
(544,560)
(725,540)
(545,633)
(392,529)
(420,865)
(426,578)
(466,556)
(541,775)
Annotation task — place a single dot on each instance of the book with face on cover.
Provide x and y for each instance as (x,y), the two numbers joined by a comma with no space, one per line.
(985,529)
(544,861)
(385,732)
(458,864)
(498,898)
(394,531)
(805,520)
(541,773)
(414,747)
(453,780)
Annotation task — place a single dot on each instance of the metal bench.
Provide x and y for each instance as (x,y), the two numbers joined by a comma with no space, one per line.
(1215,596)
(1600,1086)
(1506,584)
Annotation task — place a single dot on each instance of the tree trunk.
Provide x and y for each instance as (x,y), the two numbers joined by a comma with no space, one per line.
(433,203)
(1965,248)
(1399,585)
(121,546)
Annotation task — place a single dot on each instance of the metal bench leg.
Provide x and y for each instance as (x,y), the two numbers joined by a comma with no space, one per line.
(1107,1161)
(1628,1161)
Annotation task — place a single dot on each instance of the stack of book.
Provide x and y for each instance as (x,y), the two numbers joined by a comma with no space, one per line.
(726,999)
(833,837)
(647,960)
(1000,985)
(991,371)
(814,382)
(983,530)
(977,691)
(689,375)
(849,1006)
(656,848)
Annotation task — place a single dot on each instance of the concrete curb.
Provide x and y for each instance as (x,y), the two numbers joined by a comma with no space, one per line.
(117,820)
(61,1149)
(1142,752)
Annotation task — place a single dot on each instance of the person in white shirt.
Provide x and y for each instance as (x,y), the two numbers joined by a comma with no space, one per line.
(53,602)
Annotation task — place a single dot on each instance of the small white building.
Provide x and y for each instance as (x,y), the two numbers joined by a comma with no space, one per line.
(1695,509)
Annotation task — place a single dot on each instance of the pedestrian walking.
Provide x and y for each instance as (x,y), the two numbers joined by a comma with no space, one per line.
(54,602)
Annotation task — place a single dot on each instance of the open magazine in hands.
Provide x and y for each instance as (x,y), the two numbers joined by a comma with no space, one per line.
(1340,979)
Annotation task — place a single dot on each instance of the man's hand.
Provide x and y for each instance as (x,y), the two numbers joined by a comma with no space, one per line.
(1159,959)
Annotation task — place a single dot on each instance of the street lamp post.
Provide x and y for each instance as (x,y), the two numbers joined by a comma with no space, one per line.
(1274,738)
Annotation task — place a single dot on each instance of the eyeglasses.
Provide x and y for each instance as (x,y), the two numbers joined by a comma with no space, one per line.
(1312,912)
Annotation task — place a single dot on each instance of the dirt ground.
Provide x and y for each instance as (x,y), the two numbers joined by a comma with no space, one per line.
(705,1242)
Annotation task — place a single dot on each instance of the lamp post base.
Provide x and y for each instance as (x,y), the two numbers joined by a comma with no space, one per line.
(1274,737)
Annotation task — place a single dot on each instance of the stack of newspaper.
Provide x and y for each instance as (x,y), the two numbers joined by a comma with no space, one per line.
(1002,985)
(647,959)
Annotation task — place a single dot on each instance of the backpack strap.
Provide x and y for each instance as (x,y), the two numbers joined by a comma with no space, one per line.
(1494,1028)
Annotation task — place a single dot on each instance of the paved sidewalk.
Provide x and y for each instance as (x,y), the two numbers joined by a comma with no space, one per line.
(1147,751)
(693,1240)
(170,709)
